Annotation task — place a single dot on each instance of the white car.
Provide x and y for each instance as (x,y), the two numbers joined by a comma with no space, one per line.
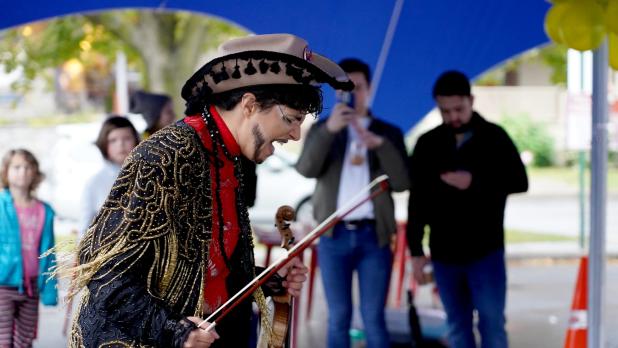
(74,159)
(278,183)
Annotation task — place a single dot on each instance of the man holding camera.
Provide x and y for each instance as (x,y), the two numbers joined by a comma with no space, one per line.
(344,153)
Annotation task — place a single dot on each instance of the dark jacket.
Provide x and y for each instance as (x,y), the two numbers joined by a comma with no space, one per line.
(143,258)
(322,158)
(465,224)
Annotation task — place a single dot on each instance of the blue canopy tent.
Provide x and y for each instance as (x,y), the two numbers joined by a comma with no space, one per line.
(429,36)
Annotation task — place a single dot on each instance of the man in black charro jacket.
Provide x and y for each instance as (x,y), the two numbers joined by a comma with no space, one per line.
(173,242)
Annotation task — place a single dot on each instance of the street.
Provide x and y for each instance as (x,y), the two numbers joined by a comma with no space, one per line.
(555,215)
(539,299)
(541,280)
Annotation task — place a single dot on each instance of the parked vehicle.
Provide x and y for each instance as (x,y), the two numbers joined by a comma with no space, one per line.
(74,159)
(278,183)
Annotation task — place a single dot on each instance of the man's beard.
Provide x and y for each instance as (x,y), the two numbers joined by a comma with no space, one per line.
(258,142)
(463,128)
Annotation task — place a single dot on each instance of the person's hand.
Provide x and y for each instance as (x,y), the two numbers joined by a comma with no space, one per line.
(339,118)
(200,338)
(295,274)
(370,139)
(418,263)
(460,179)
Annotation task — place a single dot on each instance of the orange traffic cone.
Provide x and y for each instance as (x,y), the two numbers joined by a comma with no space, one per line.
(577,332)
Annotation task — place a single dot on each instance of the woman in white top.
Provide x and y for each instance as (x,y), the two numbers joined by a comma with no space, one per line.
(116,139)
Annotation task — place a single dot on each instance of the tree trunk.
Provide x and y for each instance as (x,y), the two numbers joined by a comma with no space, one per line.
(169,59)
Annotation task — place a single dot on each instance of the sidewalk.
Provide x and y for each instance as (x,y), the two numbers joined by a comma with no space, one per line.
(552,250)
(544,186)
(539,296)
(540,286)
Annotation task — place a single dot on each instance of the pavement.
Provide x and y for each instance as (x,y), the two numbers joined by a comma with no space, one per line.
(539,296)
(541,278)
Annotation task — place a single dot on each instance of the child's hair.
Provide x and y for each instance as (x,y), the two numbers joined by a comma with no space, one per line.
(111,123)
(6,160)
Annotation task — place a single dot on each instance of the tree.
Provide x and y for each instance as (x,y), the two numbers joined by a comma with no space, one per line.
(165,47)
(533,136)
(507,73)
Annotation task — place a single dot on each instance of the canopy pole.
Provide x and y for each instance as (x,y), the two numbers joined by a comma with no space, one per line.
(598,197)
(386,46)
(122,85)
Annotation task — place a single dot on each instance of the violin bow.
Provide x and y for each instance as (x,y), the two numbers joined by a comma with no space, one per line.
(380,184)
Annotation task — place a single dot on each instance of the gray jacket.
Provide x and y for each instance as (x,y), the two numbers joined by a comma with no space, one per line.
(322,158)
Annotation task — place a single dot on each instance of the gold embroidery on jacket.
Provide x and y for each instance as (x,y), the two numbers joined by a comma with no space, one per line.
(158,210)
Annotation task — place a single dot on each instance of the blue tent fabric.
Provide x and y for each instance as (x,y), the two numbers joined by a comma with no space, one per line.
(431,36)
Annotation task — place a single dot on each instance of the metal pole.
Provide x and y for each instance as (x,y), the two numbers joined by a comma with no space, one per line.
(386,46)
(122,86)
(582,199)
(582,165)
(598,197)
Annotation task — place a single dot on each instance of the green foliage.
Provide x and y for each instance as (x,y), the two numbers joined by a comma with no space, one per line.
(164,47)
(530,135)
(517,236)
(493,77)
(40,48)
(54,120)
(555,56)
(569,177)
(612,158)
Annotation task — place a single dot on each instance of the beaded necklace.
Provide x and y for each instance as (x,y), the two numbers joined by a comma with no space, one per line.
(247,259)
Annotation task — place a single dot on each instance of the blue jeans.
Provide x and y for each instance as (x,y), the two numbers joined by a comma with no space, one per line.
(479,285)
(338,256)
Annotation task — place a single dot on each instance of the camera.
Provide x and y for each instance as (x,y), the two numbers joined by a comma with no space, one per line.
(346,98)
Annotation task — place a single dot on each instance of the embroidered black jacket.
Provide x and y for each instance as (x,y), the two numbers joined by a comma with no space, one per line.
(142,260)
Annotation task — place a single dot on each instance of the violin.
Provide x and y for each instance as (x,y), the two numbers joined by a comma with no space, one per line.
(283,304)
(284,215)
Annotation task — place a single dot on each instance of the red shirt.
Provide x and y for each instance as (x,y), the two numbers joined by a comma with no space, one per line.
(215,290)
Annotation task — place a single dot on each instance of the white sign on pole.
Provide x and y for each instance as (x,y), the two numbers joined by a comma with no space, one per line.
(578,121)
(613,126)
(579,101)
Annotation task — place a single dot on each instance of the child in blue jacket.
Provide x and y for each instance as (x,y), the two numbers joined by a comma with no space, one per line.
(26,232)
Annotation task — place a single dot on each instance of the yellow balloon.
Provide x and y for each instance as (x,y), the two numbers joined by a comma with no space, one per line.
(553,18)
(611,16)
(613,51)
(582,25)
